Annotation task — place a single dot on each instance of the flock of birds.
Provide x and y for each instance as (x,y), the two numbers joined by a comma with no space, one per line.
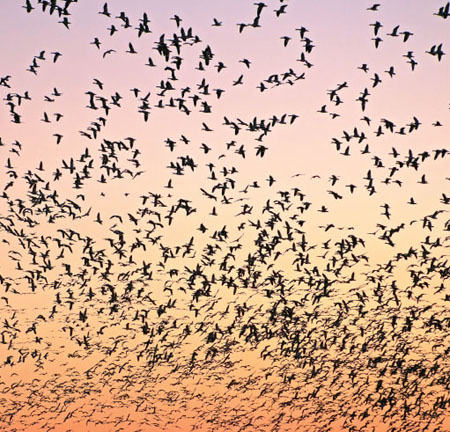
(229,304)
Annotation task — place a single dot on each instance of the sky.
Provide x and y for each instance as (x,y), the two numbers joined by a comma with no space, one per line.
(224,215)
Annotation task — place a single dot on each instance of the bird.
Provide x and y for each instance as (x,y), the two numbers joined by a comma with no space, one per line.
(391,71)
(436,50)
(105,10)
(286,40)
(374,7)
(364,67)
(110,51)
(246,62)
(444,11)
(239,80)
(131,49)
(377,41)
(177,20)
(96,42)
(56,56)
(58,138)
(376,27)
(394,32)
(280,10)
(28,6)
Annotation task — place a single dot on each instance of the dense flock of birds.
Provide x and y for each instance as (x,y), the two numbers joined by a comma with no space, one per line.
(228,304)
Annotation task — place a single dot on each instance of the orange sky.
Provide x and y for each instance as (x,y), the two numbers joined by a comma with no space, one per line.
(263,260)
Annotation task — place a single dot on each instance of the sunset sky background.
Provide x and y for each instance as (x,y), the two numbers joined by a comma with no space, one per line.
(95,271)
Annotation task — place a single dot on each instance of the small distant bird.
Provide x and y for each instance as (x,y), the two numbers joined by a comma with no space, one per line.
(105,10)
(364,67)
(110,51)
(65,22)
(58,137)
(286,40)
(177,20)
(444,11)
(377,40)
(96,42)
(376,27)
(406,35)
(56,56)
(246,62)
(131,49)
(390,71)
(28,6)
(374,7)
(281,10)
(239,80)
(436,50)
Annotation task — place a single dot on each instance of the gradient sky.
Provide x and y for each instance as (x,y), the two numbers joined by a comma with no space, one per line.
(77,314)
